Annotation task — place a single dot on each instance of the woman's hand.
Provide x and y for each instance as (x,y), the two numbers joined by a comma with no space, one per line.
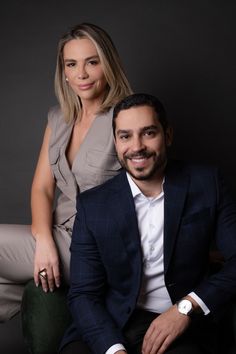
(46,257)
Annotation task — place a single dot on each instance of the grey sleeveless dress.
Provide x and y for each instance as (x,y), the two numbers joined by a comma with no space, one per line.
(94,163)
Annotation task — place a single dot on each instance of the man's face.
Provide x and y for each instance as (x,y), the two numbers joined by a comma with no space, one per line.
(140,142)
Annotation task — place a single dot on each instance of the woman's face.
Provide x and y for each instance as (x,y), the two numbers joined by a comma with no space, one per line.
(83,70)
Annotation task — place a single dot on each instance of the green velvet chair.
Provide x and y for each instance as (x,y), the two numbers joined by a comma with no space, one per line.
(44,318)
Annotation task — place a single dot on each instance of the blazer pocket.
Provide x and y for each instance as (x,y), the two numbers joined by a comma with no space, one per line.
(196,217)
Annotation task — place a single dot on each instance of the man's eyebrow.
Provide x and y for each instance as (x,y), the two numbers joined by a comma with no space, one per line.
(149,127)
(123,131)
(143,129)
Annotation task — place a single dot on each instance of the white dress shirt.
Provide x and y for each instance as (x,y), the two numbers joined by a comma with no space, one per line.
(153,295)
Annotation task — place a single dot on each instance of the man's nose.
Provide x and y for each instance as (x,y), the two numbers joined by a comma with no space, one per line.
(137,144)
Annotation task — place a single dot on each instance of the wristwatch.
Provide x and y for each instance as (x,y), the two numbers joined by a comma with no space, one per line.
(185,307)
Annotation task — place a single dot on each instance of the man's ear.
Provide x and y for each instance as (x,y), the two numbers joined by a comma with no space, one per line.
(169,136)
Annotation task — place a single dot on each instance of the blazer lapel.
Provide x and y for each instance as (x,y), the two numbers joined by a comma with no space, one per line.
(175,189)
(124,211)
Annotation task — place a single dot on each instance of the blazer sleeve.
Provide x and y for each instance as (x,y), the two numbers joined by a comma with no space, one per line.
(86,296)
(219,288)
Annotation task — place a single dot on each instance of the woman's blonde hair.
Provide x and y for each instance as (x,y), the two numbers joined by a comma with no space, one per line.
(117,84)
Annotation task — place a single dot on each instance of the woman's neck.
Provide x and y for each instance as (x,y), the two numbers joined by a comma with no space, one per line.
(91,107)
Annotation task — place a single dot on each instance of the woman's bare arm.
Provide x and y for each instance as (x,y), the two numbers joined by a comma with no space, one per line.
(42,196)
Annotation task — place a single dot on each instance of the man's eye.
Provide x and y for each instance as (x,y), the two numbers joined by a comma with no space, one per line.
(124,137)
(150,133)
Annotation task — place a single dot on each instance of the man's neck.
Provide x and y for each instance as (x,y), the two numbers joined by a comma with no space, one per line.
(151,187)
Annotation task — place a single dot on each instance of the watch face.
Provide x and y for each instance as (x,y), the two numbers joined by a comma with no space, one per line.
(185,307)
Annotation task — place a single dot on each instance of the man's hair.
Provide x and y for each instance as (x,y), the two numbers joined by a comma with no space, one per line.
(137,100)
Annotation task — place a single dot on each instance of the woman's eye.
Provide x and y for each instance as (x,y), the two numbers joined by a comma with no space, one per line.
(70,65)
(93,62)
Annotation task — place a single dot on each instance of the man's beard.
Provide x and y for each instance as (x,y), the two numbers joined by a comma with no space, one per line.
(158,165)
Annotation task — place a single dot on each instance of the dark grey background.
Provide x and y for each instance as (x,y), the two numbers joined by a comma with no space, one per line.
(182,51)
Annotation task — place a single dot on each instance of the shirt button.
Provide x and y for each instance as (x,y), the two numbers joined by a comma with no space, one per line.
(152,248)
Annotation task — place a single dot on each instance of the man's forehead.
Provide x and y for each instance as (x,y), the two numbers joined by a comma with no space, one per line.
(137,118)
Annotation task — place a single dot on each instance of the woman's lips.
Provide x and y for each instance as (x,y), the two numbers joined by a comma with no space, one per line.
(85,86)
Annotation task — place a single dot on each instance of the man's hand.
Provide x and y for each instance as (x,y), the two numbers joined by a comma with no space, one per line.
(164,330)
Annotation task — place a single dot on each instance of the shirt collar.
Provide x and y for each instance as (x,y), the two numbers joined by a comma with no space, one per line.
(135,189)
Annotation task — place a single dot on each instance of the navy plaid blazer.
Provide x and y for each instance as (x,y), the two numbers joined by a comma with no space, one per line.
(106,257)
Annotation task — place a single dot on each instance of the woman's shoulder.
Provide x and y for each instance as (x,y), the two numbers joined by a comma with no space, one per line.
(59,128)
(55,116)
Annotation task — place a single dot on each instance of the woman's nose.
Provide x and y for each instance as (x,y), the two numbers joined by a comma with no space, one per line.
(82,73)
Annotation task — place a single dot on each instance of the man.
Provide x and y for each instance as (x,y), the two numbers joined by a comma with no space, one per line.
(140,247)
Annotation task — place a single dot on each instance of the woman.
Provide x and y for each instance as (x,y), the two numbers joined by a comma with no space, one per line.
(77,153)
